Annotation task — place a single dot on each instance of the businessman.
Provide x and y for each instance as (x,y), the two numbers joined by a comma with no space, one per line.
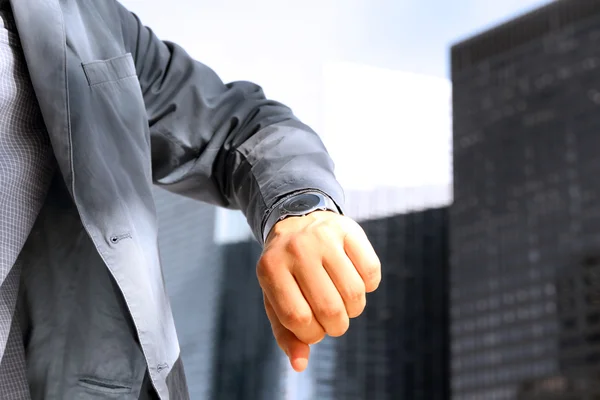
(94,110)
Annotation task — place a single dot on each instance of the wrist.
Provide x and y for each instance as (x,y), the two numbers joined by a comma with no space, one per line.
(297,204)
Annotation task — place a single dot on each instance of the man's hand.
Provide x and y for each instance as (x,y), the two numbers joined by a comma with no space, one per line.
(315,272)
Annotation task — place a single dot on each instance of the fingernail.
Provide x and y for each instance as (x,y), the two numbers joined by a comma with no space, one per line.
(299,364)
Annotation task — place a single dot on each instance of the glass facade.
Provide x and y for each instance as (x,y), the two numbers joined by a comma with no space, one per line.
(247,362)
(526,213)
(398,348)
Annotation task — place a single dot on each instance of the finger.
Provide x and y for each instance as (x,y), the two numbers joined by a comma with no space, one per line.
(363,256)
(347,280)
(296,350)
(289,303)
(324,299)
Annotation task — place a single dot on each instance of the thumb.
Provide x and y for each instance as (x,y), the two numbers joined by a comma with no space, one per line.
(298,353)
(296,350)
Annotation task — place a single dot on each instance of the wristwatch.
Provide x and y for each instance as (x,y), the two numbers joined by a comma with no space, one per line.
(298,205)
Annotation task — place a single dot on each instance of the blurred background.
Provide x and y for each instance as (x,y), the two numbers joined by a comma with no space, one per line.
(478,187)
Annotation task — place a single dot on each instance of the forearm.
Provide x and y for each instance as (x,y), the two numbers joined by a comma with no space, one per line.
(225,144)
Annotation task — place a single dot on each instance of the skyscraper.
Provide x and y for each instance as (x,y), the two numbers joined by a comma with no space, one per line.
(247,362)
(398,348)
(526,99)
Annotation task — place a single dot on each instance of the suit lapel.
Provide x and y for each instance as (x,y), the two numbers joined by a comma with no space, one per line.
(42,33)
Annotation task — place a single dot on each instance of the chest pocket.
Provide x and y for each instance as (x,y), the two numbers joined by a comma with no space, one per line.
(111,70)
(111,134)
(117,109)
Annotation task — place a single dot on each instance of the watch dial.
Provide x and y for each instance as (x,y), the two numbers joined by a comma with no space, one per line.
(301,203)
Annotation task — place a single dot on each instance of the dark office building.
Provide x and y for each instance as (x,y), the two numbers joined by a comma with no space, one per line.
(398,348)
(578,305)
(248,364)
(578,312)
(526,212)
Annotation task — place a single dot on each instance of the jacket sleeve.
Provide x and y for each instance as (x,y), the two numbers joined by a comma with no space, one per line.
(224,144)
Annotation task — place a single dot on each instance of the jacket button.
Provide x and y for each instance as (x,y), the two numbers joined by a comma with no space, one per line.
(161,367)
(114,239)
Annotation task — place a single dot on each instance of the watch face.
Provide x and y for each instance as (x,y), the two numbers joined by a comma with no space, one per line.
(301,203)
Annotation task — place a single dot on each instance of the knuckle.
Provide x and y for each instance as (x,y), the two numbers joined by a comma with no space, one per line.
(265,266)
(297,245)
(297,319)
(356,304)
(328,228)
(372,276)
(339,328)
(326,235)
(322,232)
(331,313)
(355,295)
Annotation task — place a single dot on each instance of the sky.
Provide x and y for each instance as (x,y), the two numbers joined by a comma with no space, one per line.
(409,35)
(351,69)
(415,35)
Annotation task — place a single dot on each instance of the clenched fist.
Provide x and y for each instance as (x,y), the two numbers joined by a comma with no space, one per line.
(315,272)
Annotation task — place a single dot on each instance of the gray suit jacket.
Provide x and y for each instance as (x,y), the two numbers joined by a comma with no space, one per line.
(125,110)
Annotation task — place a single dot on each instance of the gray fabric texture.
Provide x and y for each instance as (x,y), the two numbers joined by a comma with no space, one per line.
(79,338)
(45,288)
(26,167)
